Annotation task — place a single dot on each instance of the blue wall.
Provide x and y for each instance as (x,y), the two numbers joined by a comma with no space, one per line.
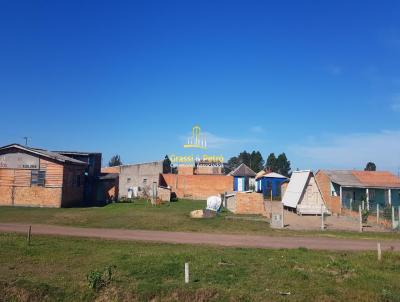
(265,184)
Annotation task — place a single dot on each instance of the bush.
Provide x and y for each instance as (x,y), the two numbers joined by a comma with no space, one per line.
(99,279)
(364,215)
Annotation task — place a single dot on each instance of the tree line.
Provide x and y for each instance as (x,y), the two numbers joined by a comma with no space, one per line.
(255,161)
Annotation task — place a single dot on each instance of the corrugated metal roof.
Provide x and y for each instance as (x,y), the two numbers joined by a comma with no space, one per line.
(295,188)
(243,171)
(274,175)
(343,178)
(45,153)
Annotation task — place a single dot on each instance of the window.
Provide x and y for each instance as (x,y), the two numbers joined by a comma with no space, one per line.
(38,178)
(371,193)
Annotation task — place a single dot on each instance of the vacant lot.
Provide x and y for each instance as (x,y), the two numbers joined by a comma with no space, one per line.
(55,269)
(168,217)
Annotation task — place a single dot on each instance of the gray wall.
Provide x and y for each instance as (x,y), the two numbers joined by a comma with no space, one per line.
(139,175)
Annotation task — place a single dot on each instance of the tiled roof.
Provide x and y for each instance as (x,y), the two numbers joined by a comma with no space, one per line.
(377,178)
(363,179)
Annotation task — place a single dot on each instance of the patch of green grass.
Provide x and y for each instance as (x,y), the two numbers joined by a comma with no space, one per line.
(168,217)
(56,268)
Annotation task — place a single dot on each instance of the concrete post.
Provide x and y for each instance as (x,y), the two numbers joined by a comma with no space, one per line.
(341,198)
(360,217)
(186,272)
(283,210)
(390,196)
(392,217)
(377,213)
(367,200)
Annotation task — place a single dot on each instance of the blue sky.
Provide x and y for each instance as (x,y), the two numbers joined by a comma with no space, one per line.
(319,81)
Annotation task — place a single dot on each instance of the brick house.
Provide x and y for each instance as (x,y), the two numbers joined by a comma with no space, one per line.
(39,178)
(345,189)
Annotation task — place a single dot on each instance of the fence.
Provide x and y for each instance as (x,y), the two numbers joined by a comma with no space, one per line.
(383,214)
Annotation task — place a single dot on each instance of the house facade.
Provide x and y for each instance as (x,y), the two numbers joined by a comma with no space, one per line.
(39,178)
(139,179)
(347,189)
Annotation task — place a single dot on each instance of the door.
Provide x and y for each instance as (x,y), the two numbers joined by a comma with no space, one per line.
(240,184)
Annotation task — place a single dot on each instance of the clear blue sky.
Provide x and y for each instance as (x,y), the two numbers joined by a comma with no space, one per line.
(318,80)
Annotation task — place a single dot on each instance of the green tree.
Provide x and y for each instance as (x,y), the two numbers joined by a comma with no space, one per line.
(256,161)
(232,164)
(253,160)
(115,161)
(283,165)
(271,164)
(370,167)
(167,165)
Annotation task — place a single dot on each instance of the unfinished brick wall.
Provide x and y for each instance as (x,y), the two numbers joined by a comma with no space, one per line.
(249,203)
(37,196)
(185,170)
(197,186)
(324,183)
(164,194)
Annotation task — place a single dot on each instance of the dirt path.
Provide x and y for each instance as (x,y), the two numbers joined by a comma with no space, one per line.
(319,243)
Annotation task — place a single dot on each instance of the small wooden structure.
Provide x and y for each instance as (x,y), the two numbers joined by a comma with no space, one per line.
(303,194)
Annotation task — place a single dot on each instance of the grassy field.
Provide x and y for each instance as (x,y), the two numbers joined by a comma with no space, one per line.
(167,217)
(55,269)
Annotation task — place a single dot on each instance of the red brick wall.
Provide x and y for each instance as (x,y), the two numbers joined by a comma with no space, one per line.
(324,183)
(183,170)
(249,203)
(197,186)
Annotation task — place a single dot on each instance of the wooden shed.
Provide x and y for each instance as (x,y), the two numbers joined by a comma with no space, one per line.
(244,178)
(39,178)
(303,194)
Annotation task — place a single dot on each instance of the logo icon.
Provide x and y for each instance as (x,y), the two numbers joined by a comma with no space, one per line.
(197,140)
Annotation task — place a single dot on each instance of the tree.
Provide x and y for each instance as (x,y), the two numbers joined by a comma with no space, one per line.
(271,163)
(256,161)
(370,166)
(253,160)
(167,166)
(115,161)
(232,164)
(283,165)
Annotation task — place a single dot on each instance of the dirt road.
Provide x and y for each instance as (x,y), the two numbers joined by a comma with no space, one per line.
(319,243)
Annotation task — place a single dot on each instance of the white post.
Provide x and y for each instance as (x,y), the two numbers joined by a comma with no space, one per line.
(351,204)
(283,210)
(377,213)
(392,217)
(379,251)
(360,216)
(367,199)
(390,196)
(186,272)
(322,218)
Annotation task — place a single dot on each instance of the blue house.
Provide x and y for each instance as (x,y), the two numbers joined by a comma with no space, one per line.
(270,182)
(243,178)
